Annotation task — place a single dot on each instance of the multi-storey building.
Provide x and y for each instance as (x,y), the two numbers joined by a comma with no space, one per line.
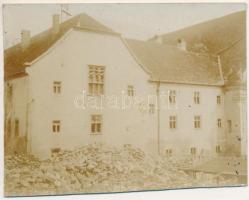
(158,95)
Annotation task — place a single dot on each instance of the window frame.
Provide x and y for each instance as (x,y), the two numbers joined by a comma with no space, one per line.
(229,126)
(130,91)
(172,97)
(56,126)
(197,97)
(151,108)
(17,127)
(96,127)
(172,122)
(9,128)
(218,99)
(57,87)
(96,80)
(197,121)
(219,123)
(217,149)
(168,152)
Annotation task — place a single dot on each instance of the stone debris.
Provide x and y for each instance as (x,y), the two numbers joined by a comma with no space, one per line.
(93,168)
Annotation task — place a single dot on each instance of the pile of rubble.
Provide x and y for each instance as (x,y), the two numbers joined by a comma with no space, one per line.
(91,169)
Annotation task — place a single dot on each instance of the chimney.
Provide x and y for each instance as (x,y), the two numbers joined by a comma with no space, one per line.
(158,39)
(181,44)
(56,23)
(25,39)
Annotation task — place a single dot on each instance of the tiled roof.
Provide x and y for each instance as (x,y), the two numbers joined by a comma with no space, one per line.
(215,35)
(165,62)
(170,64)
(225,36)
(15,57)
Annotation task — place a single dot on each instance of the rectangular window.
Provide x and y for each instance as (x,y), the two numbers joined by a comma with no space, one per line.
(96,80)
(229,126)
(57,87)
(10,91)
(193,151)
(96,124)
(168,152)
(172,96)
(130,90)
(197,97)
(16,128)
(172,122)
(219,123)
(218,100)
(56,126)
(9,128)
(197,121)
(151,108)
(217,149)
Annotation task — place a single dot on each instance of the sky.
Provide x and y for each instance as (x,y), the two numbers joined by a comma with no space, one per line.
(138,21)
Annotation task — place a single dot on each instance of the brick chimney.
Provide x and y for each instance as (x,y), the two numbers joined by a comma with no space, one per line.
(56,23)
(25,39)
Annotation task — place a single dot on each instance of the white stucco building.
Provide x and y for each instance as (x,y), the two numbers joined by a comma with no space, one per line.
(183,102)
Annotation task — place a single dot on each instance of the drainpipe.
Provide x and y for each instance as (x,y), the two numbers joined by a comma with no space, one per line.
(158,115)
(28,112)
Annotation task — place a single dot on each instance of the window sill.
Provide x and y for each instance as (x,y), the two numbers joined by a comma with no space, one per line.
(95,95)
(57,95)
(95,133)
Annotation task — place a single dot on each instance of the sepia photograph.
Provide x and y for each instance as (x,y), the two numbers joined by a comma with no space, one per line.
(119,97)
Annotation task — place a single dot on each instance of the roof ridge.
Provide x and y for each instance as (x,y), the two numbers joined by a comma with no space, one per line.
(44,31)
(199,23)
(175,47)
